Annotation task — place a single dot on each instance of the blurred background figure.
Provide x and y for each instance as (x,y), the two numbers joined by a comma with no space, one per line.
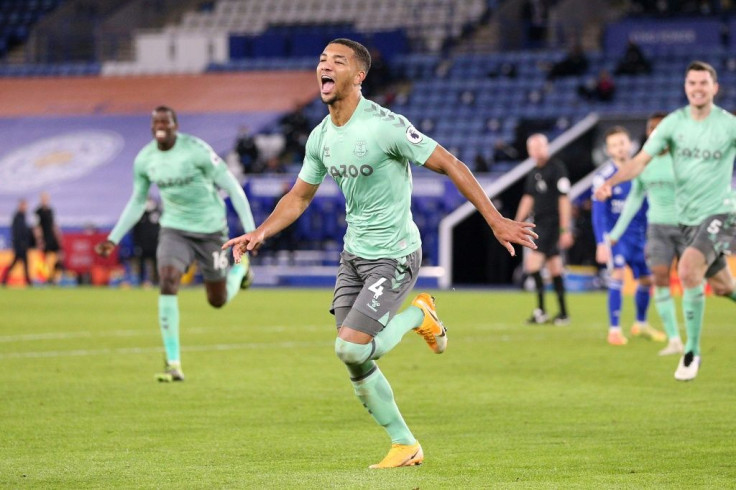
(247,150)
(575,63)
(48,239)
(295,128)
(22,241)
(145,241)
(601,88)
(633,62)
(535,17)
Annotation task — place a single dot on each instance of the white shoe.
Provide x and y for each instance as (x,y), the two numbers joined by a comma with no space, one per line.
(539,317)
(688,367)
(674,346)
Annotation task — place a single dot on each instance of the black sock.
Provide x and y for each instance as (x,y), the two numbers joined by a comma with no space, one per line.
(539,283)
(559,286)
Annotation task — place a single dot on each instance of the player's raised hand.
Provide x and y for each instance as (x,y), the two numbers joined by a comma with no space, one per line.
(105,248)
(604,191)
(249,242)
(508,231)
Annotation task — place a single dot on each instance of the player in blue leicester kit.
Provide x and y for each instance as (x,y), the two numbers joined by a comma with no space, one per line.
(629,250)
(367,150)
(665,240)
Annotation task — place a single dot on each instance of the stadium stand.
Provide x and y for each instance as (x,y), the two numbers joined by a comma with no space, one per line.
(428,22)
(469,99)
(17,17)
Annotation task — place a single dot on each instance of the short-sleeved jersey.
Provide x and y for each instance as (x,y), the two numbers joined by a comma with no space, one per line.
(369,158)
(658,182)
(546,184)
(703,154)
(185,176)
(606,213)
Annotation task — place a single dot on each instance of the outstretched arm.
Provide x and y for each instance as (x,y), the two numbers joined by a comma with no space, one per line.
(131,214)
(287,210)
(506,231)
(626,172)
(225,180)
(633,203)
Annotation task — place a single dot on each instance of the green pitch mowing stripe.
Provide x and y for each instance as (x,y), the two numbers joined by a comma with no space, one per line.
(266,403)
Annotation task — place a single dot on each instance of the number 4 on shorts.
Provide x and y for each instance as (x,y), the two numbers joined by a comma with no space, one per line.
(376,288)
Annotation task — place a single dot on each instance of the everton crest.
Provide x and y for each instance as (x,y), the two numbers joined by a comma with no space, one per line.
(360,149)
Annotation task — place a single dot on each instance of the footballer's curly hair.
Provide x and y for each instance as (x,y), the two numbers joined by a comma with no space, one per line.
(360,51)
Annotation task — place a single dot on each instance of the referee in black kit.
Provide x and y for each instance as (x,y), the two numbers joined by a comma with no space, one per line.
(545,195)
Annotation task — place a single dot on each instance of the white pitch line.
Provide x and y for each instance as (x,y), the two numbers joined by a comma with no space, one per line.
(145,332)
(146,350)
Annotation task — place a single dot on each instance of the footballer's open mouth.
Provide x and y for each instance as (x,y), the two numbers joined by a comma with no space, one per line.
(328,83)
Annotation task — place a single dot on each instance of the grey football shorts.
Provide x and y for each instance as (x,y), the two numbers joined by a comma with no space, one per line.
(714,237)
(180,248)
(368,293)
(664,243)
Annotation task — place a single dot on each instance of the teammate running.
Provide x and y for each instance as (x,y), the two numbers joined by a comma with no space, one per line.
(366,149)
(193,224)
(629,250)
(664,238)
(702,139)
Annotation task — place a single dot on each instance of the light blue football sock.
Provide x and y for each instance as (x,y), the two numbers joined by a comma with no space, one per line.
(400,324)
(168,319)
(377,397)
(693,306)
(234,278)
(666,308)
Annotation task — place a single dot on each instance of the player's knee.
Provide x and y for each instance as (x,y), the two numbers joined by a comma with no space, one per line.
(689,277)
(352,353)
(168,285)
(645,281)
(216,299)
(661,279)
(169,279)
(217,302)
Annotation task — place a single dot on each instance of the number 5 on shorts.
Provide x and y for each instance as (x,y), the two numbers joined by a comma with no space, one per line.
(715,226)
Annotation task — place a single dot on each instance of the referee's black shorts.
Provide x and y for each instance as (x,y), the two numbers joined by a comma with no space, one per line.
(548,242)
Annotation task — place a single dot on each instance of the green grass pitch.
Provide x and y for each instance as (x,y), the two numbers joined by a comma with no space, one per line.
(267,404)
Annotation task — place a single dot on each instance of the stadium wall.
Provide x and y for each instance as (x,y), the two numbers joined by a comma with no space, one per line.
(77,138)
